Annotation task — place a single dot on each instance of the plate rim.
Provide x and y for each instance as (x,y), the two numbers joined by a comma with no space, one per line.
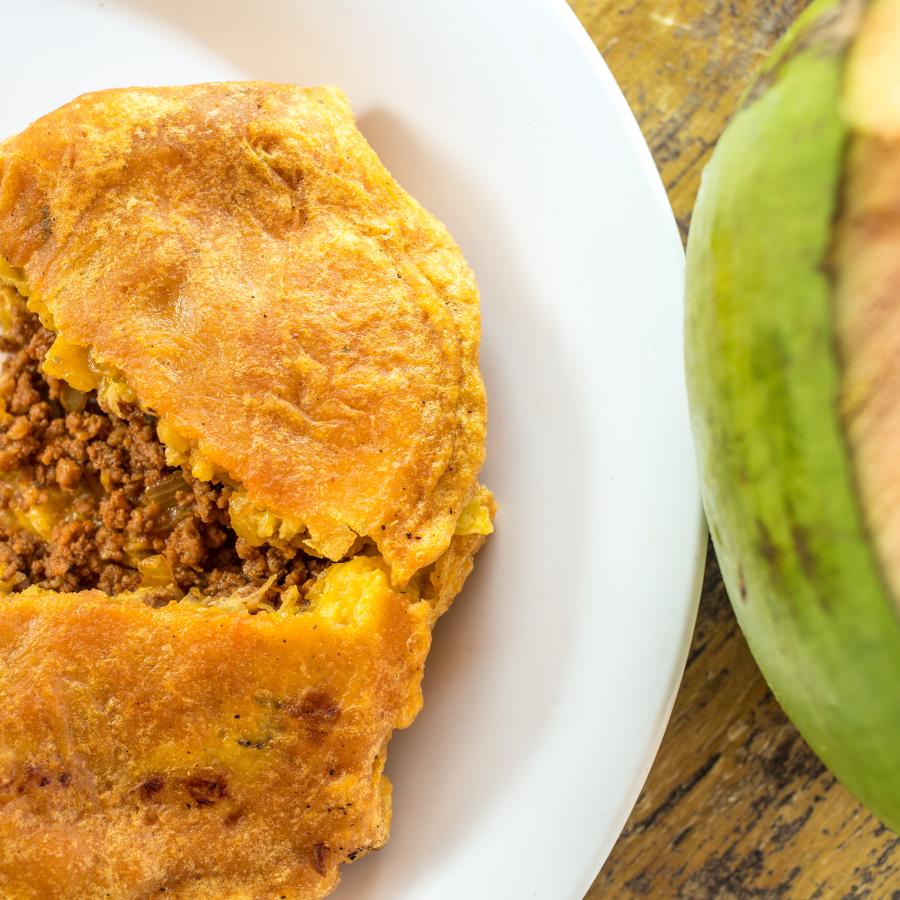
(608,84)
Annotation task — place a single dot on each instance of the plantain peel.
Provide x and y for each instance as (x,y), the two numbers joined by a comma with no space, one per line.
(233,263)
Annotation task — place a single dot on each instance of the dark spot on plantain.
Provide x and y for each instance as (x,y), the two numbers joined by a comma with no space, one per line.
(234,816)
(318,711)
(151,787)
(26,778)
(254,744)
(206,789)
(770,552)
(319,857)
(46,222)
(805,556)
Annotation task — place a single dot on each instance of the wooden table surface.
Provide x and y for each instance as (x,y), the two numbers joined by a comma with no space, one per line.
(736,805)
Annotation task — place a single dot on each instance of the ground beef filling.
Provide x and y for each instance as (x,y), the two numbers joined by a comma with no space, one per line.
(87,500)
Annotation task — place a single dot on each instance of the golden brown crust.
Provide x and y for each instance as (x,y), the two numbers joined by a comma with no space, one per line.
(447,576)
(210,753)
(239,258)
(239,252)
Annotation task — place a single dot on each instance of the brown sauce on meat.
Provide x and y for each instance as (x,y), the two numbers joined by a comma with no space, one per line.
(112,500)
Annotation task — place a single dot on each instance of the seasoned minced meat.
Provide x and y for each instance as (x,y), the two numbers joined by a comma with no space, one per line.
(118,500)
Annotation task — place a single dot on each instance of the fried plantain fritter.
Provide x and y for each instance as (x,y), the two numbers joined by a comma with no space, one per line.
(241,427)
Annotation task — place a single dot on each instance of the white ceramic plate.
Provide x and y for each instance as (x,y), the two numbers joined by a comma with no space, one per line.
(551,680)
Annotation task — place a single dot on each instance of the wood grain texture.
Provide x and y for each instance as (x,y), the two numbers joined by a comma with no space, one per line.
(737,805)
